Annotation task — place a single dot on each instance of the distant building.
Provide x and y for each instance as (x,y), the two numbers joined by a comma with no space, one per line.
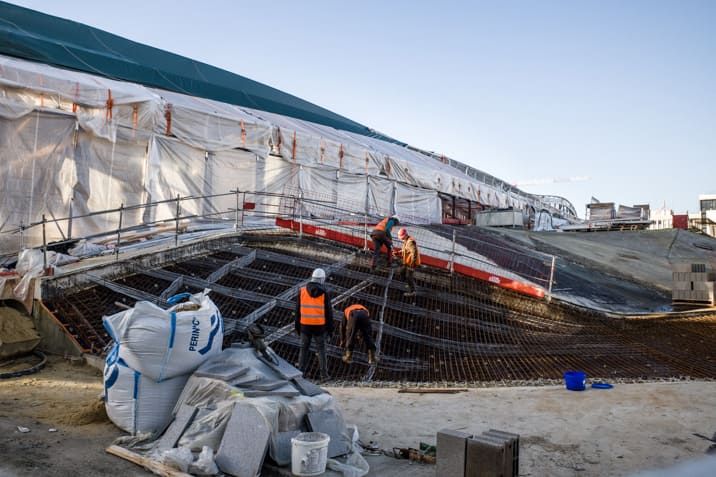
(681,221)
(604,216)
(664,219)
(705,218)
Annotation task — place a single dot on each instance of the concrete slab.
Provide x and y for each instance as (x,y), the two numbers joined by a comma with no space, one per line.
(283,392)
(268,385)
(330,422)
(306,387)
(173,433)
(222,371)
(485,457)
(246,380)
(512,448)
(280,447)
(282,367)
(451,452)
(242,453)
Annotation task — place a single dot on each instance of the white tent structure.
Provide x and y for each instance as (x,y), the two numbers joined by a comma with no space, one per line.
(74,145)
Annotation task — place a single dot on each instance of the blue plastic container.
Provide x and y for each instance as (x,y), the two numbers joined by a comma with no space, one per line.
(575,380)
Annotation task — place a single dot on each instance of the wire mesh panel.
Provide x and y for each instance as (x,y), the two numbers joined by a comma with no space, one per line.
(455,330)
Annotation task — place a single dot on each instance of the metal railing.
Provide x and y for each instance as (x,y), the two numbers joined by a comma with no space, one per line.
(259,210)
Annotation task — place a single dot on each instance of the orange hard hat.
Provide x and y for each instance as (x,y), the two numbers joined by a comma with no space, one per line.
(402,233)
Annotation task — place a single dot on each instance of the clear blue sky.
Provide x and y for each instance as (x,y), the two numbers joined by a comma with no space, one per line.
(621,92)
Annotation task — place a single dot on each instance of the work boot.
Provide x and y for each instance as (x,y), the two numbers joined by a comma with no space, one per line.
(372,358)
(347,358)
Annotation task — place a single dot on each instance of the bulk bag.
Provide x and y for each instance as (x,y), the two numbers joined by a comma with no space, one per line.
(162,344)
(135,403)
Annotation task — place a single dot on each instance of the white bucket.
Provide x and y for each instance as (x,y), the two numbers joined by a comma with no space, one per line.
(309,453)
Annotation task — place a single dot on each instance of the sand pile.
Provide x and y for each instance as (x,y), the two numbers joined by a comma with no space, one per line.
(17,333)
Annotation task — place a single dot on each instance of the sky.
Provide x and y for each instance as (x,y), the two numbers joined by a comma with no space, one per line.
(609,99)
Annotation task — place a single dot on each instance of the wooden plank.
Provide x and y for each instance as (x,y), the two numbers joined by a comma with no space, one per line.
(432,390)
(153,466)
(693,302)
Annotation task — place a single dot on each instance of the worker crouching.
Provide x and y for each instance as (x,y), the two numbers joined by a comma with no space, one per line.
(382,238)
(356,319)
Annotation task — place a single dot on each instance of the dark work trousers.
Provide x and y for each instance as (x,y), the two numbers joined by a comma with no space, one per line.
(304,356)
(380,239)
(359,323)
(408,275)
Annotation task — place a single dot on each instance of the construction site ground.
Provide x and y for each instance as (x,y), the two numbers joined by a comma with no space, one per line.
(639,424)
(597,432)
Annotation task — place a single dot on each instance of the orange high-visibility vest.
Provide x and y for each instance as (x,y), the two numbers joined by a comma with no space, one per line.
(313,310)
(407,252)
(355,307)
(382,224)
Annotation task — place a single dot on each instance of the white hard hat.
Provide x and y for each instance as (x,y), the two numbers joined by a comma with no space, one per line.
(319,275)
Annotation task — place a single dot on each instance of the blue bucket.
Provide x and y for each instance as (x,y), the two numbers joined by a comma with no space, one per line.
(575,380)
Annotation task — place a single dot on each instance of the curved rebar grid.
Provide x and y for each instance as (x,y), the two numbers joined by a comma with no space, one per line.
(456,330)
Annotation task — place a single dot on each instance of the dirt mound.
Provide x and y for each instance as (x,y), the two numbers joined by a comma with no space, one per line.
(83,414)
(17,333)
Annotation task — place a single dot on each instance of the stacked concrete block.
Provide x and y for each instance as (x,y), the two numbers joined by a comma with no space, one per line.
(245,442)
(512,450)
(494,453)
(450,453)
(485,457)
(692,283)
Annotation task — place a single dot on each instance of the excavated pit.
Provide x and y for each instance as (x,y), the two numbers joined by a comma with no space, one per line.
(456,331)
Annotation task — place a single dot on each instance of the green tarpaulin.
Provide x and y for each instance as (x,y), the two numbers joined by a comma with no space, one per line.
(35,36)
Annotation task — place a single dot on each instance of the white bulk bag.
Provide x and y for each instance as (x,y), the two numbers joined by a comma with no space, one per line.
(137,404)
(162,344)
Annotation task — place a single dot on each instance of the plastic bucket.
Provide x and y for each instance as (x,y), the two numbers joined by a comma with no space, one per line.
(309,453)
(575,380)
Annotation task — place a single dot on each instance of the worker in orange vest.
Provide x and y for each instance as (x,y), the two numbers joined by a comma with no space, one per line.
(410,258)
(356,319)
(314,319)
(381,236)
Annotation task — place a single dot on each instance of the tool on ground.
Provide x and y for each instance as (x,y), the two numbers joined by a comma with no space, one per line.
(426,453)
(256,338)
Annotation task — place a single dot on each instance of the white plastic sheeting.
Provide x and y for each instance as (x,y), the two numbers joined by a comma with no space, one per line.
(36,174)
(108,174)
(417,206)
(315,144)
(74,144)
(380,196)
(225,127)
(175,169)
(321,184)
(101,105)
(352,192)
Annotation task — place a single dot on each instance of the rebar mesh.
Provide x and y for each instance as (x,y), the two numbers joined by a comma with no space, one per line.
(456,330)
